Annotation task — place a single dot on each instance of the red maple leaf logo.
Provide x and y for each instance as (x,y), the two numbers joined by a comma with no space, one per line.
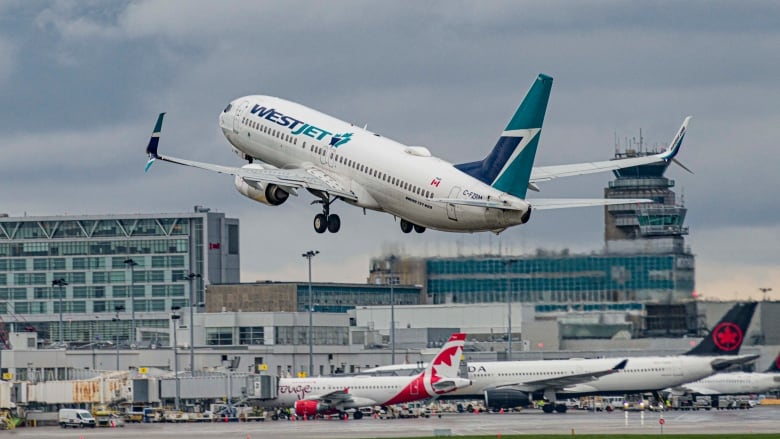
(727,336)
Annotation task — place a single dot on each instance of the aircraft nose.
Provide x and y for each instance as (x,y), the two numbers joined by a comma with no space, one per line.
(226,117)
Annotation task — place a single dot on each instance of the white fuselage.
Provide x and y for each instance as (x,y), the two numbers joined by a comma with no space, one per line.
(385,175)
(641,374)
(364,390)
(735,383)
(644,374)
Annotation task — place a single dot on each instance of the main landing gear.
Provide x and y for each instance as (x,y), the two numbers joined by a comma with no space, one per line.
(407,227)
(325,221)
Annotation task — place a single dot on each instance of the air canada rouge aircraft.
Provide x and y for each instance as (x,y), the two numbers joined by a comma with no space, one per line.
(290,147)
(506,384)
(334,395)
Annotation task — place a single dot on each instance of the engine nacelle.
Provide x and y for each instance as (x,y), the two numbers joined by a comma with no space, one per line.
(310,407)
(269,194)
(506,399)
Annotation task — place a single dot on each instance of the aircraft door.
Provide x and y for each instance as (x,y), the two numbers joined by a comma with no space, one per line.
(242,107)
(451,211)
(331,158)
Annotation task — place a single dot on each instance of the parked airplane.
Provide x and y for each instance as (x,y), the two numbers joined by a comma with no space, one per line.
(507,384)
(291,147)
(334,395)
(734,383)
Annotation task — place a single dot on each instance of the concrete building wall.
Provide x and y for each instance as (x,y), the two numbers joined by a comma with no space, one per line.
(472,319)
(272,297)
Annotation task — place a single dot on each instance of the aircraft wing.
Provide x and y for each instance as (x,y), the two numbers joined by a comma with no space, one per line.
(312,178)
(545,173)
(563,381)
(334,397)
(562,203)
(290,179)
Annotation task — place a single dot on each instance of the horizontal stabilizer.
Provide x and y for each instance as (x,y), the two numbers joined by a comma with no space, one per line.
(563,203)
(723,363)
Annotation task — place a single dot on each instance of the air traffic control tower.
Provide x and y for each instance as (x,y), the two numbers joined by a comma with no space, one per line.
(651,228)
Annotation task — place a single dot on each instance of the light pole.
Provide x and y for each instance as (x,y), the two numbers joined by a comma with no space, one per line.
(391,281)
(117,309)
(766,291)
(507,264)
(175,317)
(191,277)
(308,255)
(132,264)
(60,283)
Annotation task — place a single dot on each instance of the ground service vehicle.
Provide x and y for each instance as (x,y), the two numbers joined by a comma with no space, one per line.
(77,418)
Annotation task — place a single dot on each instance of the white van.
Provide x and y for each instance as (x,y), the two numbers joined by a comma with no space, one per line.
(77,418)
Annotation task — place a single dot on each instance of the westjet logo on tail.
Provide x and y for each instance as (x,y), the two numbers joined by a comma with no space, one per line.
(298,127)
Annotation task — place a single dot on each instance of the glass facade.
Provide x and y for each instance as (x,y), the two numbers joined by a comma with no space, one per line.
(321,335)
(569,278)
(90,255)
(343,297)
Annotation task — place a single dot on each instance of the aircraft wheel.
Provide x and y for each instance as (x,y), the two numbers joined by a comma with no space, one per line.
(357,415)
(320,223)
(560,408)
(419,229)
(548,408)
(334,223)
(406,226)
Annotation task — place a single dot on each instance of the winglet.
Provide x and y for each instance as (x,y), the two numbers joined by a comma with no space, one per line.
(151,148)
(620,366)
(674,147)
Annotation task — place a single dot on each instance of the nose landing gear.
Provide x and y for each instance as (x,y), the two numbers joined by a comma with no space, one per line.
(325,221)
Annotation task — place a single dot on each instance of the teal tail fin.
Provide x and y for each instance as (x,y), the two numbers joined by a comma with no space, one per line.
(508,166)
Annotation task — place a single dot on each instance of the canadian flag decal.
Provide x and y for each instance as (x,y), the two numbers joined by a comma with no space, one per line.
(435,182)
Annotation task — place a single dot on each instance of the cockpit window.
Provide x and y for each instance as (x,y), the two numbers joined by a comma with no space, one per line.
(227,108)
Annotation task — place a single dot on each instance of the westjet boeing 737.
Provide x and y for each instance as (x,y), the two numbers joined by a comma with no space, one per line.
(291,147)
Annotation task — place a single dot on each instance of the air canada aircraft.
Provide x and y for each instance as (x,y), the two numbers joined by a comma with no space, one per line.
(290,147)
(335,395)
(507,384)
(734,383)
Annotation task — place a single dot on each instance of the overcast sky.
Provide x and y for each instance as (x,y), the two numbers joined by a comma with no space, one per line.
(82,82)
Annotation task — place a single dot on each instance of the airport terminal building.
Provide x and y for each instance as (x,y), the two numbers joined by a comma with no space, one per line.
(99,273)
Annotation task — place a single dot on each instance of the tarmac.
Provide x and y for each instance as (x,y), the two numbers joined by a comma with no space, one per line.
(757,420)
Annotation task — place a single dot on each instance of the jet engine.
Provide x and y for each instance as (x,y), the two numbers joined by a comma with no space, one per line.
(506,398)
(310,407)
(269,194)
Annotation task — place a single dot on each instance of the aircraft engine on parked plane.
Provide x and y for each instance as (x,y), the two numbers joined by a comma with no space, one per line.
(310,407)
(269,194)
(506,399)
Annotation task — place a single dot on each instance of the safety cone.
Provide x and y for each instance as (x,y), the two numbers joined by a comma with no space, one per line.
(501,412)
